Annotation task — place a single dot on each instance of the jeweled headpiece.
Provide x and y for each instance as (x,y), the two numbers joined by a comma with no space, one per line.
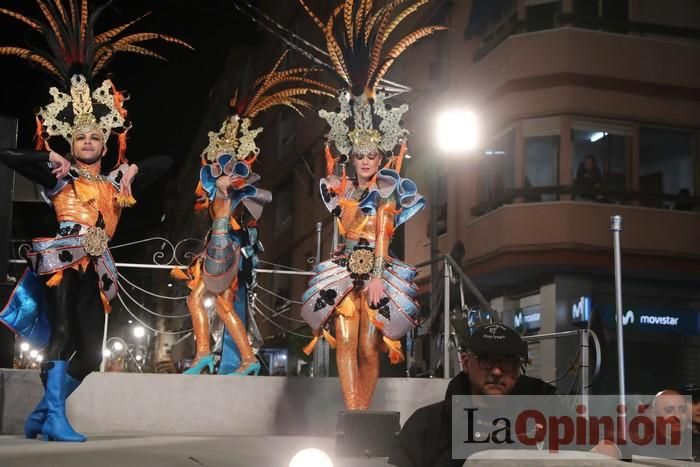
(364,123)
(285,87)
(74,56)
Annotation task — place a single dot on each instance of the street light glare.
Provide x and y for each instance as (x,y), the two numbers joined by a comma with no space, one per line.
(106,353)
(457,131)
(139,358)
(139,332)
(24,346)
(311,458)
(33,353)
(118,346)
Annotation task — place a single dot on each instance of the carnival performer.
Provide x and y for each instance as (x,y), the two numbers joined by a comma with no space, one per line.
(225,268)
(61,300)
(362,299)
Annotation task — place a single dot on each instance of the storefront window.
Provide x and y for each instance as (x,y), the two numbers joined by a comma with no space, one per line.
(665,163)
(599,163)
(497,168)
(541,164)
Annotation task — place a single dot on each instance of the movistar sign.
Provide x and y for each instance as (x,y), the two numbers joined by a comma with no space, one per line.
(581,310)
(653,319)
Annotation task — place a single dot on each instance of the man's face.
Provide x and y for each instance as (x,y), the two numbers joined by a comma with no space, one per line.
(491,374)
(696,413)
(88,146)
(672,405)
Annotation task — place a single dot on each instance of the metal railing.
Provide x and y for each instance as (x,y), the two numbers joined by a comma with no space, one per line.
(603,196)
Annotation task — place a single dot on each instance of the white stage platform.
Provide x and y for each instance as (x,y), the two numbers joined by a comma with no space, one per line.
(128,403)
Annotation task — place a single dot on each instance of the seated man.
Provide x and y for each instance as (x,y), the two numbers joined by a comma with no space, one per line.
(492,365)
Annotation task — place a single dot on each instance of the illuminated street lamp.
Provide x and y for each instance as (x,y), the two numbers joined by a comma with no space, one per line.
(118,346)
(457,131)
(139,332)
(24,346)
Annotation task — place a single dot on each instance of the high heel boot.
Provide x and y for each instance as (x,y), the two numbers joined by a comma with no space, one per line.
(36,419)
(57,427)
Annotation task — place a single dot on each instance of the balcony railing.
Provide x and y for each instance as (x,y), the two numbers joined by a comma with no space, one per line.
(506,23)
(634,198)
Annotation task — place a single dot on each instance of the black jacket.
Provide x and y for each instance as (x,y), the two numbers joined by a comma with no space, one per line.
(426,437)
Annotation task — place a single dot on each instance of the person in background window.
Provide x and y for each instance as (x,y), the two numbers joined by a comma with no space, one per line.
(589,179)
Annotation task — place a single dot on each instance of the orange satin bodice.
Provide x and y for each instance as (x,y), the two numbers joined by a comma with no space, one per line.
(69,207)
(378,229)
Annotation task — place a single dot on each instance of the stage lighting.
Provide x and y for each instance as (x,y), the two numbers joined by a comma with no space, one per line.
(311,458)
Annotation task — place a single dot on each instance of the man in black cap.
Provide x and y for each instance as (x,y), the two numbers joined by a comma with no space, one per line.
(693,390)
(492,365)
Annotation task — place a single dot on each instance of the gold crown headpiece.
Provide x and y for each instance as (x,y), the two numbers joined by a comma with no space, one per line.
(285,87)
(74,55)
(83,110)
(364,126)
(235,137)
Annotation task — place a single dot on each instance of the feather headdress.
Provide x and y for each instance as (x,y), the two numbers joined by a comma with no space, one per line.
(277,87)
(74,54)
(358,39)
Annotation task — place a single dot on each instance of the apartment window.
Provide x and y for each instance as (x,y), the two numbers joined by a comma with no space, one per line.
(541,14)
(678,13)
(665,162)
(610,15)
(542,164)
(497,168)
(284,202)
(600,156)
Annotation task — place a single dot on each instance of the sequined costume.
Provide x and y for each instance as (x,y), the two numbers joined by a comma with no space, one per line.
(225,269)
(61,300)
(357,35)
(225,265)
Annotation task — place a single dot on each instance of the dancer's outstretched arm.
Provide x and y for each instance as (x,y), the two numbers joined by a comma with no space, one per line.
(39,166)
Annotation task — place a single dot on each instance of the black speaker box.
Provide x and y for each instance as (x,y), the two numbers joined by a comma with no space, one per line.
(366,433)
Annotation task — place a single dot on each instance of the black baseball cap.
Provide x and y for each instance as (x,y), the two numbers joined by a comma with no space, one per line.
(496,339)
(692,390)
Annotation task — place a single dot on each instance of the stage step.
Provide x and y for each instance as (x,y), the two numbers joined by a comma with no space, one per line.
(112,403)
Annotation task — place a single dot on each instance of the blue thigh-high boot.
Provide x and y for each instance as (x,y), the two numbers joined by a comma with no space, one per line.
(56,427)
(36,419)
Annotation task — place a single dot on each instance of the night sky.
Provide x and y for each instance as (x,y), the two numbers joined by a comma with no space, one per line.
(167,98)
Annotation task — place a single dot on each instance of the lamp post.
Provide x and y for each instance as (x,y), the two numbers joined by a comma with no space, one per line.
(456,133)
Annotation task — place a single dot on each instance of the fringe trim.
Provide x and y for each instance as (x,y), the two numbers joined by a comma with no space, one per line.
(55,279)
(105,303)
(309,348)
(395,353)
(125,201)
(329,337)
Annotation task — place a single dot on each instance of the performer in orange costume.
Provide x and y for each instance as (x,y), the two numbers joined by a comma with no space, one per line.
(235,204)
(362,295)
(59,302)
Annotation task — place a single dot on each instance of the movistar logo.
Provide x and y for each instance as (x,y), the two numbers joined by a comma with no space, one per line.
(654,320)
(628,318)
(581,311)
